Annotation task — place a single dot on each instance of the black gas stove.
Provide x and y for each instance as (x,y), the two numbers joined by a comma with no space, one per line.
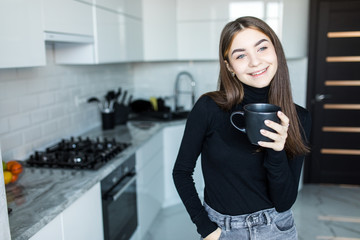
(78,153)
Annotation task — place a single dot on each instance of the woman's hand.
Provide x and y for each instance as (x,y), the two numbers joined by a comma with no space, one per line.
(280,134)
(215,235)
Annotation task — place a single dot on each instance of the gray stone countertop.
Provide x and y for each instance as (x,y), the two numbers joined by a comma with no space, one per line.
(41,194)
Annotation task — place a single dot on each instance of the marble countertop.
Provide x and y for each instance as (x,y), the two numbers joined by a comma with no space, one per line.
(41,194)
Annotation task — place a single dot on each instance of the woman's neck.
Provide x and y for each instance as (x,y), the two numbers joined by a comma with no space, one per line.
(255,95)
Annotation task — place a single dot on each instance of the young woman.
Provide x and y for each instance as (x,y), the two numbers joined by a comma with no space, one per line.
(249,189)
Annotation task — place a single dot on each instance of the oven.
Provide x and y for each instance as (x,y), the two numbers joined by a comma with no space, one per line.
(119,206)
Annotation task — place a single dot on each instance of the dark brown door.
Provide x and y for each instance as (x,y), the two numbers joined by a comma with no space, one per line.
(334,92)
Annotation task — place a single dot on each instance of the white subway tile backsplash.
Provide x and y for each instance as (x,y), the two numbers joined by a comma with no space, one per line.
(4,125)
(57,111)
(28,102)
(9,141)
(39,116)
(19,121)
(46,98)
(49,128)
(8,107)
(32,134)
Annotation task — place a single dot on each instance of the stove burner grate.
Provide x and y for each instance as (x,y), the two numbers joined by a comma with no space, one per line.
(77,153)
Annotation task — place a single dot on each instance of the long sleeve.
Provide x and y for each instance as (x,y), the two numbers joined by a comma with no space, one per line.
(190,149)
(283,174)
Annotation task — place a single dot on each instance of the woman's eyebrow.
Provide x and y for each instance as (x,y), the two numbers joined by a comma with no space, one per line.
(259,42)
(243,49)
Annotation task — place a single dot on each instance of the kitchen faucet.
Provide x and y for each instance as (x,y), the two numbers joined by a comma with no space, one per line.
(178,91)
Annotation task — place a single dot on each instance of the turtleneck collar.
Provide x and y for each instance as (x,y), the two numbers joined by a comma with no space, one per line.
(255,95)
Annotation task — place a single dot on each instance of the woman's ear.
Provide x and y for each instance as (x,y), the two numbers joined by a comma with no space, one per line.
(229,68)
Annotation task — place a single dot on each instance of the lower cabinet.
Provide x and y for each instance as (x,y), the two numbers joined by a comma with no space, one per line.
(172,139)
(82,220)
(150,188)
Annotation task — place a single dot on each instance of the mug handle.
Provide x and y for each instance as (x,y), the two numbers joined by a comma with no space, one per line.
(231,120)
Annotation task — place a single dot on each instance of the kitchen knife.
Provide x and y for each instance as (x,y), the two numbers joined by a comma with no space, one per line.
(123,97)
(129,100)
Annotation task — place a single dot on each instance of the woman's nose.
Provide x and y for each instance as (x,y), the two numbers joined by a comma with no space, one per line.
(254,61)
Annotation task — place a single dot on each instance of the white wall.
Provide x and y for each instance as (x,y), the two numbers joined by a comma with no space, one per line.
(37,105)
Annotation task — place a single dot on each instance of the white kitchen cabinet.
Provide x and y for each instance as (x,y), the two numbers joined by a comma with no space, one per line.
(128,7)
(150,188)
(203,21)
(160,30)
(118,31)
(21,38)
(52,230)
(118,37)
(172,139)
(199,10)
(204,41)
(82,220)
(67,17)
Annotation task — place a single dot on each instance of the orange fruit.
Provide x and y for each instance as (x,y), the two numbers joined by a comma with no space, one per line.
(15,168)
(9,164)
(7,177)
(14,178)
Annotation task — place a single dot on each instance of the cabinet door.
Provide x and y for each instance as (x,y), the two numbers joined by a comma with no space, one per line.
(172,140)
(204,41)
(195,10)
(150,189)
(67,16)
(21,38)
(83,219)
(159,24)
(110,36)
(129,7)
(118,37)
(53,231)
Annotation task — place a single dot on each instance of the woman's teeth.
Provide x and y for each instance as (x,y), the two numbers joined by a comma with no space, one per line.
(258,73)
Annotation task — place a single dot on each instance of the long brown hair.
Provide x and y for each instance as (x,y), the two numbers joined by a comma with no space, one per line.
(231,91)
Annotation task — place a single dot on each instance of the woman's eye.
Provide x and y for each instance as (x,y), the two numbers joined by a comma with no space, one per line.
(240,56)
(262,49)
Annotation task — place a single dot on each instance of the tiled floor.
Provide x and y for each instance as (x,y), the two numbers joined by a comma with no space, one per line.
(322,212)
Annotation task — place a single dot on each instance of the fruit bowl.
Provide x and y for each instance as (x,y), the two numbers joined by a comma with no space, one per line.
(11,171)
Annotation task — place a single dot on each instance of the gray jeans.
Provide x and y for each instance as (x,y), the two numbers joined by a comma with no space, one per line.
(267,224)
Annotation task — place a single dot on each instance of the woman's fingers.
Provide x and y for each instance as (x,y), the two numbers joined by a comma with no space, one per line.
(280,135)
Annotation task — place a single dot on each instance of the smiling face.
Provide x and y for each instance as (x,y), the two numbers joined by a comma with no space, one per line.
(252,58)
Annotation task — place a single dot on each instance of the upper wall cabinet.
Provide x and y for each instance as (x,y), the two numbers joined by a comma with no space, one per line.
(118,35)
(204,20)
(21,38)
(128,7)
(159,30)
(198,10)
(67,17)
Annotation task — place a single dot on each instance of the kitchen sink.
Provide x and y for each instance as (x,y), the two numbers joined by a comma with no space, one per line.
(159,116)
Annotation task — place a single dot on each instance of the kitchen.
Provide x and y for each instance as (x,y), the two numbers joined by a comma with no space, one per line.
(44,96)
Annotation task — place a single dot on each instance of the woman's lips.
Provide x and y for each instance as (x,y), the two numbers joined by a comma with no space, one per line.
(258,73)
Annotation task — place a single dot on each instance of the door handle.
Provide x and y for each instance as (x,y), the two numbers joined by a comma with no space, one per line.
(321,97)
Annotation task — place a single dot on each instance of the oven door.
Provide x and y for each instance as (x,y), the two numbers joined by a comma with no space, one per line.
(120,210)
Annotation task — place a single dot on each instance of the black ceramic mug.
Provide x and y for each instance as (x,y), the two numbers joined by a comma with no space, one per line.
(254,120)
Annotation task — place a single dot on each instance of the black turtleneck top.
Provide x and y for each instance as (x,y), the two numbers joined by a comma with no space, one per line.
(239,179)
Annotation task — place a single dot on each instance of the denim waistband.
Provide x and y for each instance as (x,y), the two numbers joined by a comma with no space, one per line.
(227,222)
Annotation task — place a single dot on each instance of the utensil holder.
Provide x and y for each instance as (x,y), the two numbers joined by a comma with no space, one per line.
(121,113)
(108,120)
